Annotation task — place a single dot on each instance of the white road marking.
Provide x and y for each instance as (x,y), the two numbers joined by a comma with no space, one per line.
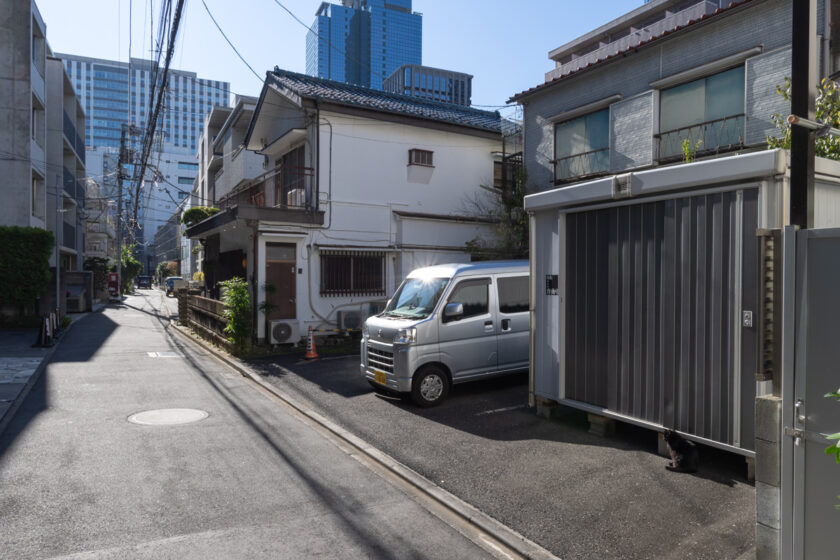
(165,354)
(501,409)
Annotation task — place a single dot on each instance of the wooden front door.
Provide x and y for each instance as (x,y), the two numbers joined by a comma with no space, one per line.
(280,271)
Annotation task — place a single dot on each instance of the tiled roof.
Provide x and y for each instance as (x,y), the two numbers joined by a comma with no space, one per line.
(357,96)
(601,61)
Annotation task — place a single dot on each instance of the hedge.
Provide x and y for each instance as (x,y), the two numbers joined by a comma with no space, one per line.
(24,263)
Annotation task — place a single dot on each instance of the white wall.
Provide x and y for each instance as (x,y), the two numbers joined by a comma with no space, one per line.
(370,175)
(368,181)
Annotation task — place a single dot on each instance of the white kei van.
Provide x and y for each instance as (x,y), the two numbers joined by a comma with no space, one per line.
(448,324)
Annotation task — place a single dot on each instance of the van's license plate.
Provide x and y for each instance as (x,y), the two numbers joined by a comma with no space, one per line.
(379,377)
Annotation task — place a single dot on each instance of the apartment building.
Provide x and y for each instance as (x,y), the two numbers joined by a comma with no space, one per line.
(23,137)
(115,93)
(430,83)
(43,156)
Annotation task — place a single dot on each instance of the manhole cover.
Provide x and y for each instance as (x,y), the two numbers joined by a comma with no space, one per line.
(168,417)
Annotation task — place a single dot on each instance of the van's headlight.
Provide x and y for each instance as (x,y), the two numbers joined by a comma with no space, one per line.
(405,336)
(365,331)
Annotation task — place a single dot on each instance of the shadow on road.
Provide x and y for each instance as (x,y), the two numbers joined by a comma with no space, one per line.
(493,409)
(350,511)
(78,344)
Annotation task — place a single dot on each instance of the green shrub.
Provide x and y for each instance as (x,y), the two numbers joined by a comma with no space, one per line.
(238,313)
(24,263)
(197,214)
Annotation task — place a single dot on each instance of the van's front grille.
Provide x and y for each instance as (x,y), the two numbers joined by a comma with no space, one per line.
(380,359)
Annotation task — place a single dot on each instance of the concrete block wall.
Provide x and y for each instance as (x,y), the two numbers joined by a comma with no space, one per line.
(768,448)
(765,24)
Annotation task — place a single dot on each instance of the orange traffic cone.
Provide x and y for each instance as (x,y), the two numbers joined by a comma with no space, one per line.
(311,353)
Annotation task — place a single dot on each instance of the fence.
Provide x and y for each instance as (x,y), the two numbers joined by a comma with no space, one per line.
(203,315)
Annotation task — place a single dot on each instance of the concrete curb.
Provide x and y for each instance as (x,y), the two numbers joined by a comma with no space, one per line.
(36,375)
(452,503)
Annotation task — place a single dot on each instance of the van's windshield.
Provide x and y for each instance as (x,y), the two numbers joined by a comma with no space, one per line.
(416,298)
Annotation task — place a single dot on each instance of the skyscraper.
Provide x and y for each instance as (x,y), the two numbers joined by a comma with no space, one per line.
(113,93)
(426,82)
(363,41)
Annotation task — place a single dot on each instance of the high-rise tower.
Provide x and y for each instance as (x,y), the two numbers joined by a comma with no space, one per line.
(363,41)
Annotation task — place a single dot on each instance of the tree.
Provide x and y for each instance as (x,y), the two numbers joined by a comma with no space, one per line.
(131,267)
(99,267)
(827,112)
(166,269)
(506,208)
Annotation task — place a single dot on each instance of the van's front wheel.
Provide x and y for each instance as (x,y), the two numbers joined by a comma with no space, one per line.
(430,387)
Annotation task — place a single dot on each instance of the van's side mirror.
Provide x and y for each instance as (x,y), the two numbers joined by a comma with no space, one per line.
(453,312)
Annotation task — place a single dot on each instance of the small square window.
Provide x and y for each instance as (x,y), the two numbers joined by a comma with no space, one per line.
(420,157)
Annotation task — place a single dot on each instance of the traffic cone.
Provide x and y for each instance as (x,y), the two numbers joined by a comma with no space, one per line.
(311,353)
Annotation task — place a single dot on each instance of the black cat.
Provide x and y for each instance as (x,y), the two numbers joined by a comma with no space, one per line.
(684,455)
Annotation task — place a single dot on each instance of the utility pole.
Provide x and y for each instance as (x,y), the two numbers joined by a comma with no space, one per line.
(802,84)
(58,231)
(120,161)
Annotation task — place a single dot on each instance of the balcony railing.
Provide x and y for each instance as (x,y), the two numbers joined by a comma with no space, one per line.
(73,137)
(283,187)
(581,165)
(711,137)
(69,235)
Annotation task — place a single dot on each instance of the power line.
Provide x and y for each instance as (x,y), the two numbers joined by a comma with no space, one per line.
(150,131)
(209,13)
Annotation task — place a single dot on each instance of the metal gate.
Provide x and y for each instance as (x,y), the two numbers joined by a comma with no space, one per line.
(810,478)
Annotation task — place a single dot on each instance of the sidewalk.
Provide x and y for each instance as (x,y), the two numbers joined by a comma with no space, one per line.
(21,364)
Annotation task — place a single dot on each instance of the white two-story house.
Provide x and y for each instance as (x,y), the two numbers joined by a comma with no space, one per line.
(358,188)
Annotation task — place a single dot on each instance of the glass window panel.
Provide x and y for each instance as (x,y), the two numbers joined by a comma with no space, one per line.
(283,253)
(725,94)
(570,138)
(473,296)
(598,130)
(683,105)
(586,137)
(513,294)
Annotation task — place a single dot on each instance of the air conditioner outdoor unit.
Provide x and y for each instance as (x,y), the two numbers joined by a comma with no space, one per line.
(296,197)
(350,320)
(284,332)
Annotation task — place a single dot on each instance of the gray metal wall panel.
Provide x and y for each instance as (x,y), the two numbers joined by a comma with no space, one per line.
(651,312)
(546,364)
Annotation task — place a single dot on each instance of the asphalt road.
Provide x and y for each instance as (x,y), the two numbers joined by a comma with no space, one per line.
(578,495)
(78,480)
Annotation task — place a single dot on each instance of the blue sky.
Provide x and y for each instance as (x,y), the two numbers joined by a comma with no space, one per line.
(503,44)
